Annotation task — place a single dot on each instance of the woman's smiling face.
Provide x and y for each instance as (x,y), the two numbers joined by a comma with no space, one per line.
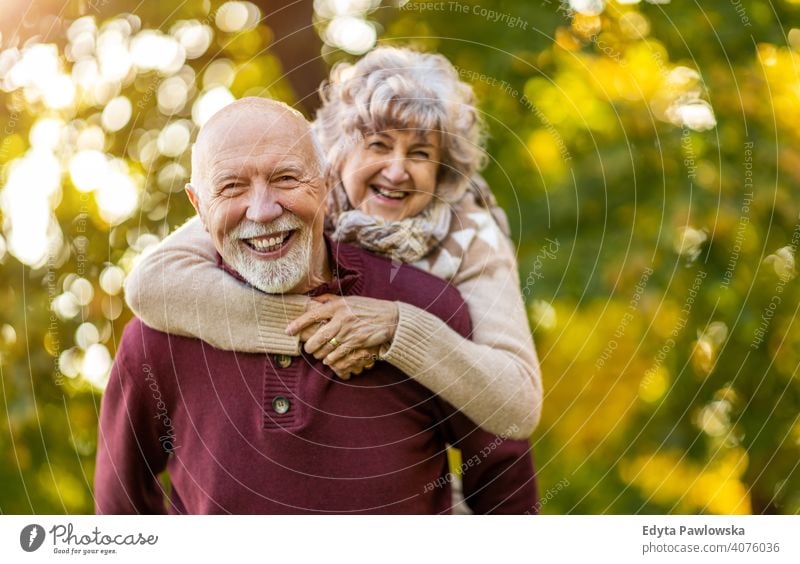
(392,174)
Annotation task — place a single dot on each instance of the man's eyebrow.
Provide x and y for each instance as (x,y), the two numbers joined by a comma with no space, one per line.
(220,177)
(301,170)
(284,167)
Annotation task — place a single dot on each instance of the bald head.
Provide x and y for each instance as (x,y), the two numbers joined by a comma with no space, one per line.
(257,185)
(252,120)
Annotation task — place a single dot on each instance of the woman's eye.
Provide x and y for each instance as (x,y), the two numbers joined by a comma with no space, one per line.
(379,145)
(420,155)
(286,178)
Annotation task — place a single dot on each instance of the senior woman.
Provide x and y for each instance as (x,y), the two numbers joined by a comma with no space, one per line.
(404,141)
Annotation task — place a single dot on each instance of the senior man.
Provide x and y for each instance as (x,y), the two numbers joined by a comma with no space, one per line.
(254,433)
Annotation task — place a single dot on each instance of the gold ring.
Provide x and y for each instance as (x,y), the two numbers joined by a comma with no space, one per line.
(334,343)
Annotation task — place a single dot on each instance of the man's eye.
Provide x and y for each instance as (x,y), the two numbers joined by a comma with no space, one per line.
(231,186)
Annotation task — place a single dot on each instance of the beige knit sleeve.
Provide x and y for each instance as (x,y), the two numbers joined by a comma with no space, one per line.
(494,379)
(179,289)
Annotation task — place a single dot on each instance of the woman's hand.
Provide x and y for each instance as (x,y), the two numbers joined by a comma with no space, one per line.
(347,332)
(354,362)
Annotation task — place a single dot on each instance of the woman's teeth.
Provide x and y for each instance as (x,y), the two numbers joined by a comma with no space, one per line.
(393,195)
(268,244)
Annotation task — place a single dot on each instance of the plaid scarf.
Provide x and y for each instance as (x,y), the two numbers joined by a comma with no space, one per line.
(407,240)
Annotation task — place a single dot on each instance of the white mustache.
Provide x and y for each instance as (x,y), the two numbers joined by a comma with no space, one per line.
(248,229)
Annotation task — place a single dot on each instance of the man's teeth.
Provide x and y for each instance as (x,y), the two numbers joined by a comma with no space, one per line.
(268,244)
(390,194)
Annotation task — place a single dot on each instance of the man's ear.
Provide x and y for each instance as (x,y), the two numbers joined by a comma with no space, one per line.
(191,192)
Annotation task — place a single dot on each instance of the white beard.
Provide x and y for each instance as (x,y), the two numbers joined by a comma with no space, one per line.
(271,276)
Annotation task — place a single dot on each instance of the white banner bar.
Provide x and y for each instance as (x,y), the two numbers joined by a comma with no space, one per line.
(401,540)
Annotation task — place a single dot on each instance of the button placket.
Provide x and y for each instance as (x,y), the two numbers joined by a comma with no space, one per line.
(281,379)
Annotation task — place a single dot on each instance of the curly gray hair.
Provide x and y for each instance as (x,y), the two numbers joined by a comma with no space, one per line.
(399,88)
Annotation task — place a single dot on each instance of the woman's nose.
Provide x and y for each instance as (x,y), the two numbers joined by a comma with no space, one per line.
(395,171)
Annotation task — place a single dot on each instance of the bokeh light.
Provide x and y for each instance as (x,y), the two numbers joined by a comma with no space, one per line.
(116,114)
(194,37)
(234,17)
(174,139)
(88,169)
(209,103)
(118,195)
(96,365)
(352,34)
(111,280)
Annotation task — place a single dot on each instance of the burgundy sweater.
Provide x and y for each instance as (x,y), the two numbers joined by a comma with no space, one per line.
(268,434)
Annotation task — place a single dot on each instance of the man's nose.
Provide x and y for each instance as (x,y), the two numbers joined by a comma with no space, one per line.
(395,171)
(263,207)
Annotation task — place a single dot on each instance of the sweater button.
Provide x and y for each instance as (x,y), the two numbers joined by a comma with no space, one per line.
(284,361)
(280,404)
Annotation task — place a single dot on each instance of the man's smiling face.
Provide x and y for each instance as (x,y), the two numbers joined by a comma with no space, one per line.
(258,188)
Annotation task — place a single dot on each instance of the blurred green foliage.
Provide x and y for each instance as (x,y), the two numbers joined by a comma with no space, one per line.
(647,155)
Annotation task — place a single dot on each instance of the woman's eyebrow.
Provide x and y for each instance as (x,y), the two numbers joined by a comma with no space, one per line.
(423,135)
(420,138)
